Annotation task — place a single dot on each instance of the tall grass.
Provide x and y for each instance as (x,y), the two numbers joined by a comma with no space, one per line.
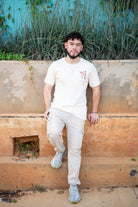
(110,34)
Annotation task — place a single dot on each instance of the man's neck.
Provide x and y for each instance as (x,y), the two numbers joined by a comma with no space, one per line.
(72,61)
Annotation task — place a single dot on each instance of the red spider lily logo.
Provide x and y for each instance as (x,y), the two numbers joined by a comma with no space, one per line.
(83,74)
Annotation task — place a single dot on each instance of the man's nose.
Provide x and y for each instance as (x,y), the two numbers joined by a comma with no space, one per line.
(74,46)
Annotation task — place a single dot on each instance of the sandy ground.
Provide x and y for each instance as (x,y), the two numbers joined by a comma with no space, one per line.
(102,197)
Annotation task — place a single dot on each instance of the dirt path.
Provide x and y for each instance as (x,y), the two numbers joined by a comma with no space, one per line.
(103,197)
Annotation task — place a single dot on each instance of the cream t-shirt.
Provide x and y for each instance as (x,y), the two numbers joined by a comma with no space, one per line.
(71,81)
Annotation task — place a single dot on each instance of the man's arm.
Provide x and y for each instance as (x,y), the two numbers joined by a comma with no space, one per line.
(93,116)
(47,98)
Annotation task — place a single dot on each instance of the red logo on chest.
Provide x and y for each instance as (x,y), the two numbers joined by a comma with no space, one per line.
(83,74)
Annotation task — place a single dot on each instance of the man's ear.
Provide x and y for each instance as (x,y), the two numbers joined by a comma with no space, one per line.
(82,48)
(65,45)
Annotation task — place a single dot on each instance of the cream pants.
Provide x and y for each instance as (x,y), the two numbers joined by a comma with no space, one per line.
(75,130)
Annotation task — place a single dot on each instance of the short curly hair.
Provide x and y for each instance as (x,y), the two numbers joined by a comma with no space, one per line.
(74,35)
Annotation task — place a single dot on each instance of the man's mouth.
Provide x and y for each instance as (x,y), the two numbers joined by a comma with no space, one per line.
(74,51)
(73,54)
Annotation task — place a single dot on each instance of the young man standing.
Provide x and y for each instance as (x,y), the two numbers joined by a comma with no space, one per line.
(71,76)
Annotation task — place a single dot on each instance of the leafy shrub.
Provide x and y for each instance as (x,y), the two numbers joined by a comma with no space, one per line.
(110,35)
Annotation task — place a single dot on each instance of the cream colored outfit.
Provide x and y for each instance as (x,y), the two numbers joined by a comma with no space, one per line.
(69,108)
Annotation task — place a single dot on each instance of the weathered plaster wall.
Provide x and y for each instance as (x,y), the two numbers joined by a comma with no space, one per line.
(113,136)
(119,85)
(107,152)
(108,146)
(21,86)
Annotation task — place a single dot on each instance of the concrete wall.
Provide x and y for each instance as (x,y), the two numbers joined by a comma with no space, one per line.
(107,152)
(113,136)
(108,147)
(21,86)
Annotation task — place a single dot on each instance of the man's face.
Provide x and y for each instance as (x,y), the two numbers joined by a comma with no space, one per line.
(74,48)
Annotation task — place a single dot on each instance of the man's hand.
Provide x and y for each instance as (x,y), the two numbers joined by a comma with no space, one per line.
(93,118)
(46,115)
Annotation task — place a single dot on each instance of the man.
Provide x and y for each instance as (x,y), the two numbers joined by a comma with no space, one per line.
(70,75)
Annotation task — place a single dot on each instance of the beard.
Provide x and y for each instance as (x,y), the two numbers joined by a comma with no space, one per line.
(73,56)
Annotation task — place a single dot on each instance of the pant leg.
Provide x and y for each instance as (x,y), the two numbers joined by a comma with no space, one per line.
(75,131)
(55,125)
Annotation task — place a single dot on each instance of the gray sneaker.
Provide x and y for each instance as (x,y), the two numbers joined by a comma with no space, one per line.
(56,162)
(74,196)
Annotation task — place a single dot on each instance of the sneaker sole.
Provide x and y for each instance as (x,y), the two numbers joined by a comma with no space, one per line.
(56,167)
(74,202)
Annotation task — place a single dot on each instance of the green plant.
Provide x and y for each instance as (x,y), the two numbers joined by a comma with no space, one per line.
(26,61)
(24,148)
(27,149)
(133,159)
(37,188)
(10,56)
(30,68)
(112,34)
(14,201)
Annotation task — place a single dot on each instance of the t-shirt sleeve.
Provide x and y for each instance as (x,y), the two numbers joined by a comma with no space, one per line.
(93,77)
(50,77)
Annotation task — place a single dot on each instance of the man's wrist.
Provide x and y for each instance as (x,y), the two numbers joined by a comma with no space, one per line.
(47,108)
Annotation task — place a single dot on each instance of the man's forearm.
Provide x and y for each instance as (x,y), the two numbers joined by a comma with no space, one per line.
(96,98)
(47,96)
(47,100)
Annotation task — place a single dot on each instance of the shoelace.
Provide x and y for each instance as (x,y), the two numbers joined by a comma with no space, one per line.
(73,189)
(59,155)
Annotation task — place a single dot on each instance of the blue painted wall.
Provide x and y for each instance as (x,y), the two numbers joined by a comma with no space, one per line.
(18,12)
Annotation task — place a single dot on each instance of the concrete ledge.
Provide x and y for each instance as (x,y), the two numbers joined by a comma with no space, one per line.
(114,136)
(95,172)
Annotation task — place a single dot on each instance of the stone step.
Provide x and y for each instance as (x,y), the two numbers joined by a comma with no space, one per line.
(114,136)
(95,172)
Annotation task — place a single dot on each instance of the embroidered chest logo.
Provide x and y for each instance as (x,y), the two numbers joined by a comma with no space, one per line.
(83,74)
